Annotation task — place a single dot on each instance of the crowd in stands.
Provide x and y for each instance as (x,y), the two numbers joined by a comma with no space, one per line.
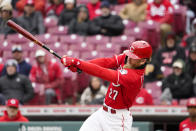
(96,28)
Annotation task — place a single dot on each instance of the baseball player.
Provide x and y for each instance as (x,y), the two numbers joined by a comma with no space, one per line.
(189,124)
(126,82)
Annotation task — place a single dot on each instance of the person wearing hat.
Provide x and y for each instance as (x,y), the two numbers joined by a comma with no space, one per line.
(69,13)
(39,5)
(12,112)
(107,24)
(32,20)
(24,68)
(15,85)
(189,124)
(6,14)
(48,75)
(179,83)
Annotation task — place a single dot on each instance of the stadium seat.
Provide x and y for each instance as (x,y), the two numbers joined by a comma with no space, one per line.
(154,88)
(109,47)
(151,32)
(179,16)
(57,46)
(129,24)
(47,38)
(90,55)
(82,47)
(6,45)
(97,39)
(1,37)
(58,30)
(118,8)
(135,32)
(50,22)
(71,39)
(123,41)
(84,2)
(17,39)
(183,102)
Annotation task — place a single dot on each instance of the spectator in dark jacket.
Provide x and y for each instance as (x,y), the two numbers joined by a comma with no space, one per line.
(14,85)
(24,68)
(179,83)
(80,25)
(6,13)
(171,52)
(68,13)
(32,20)
(107,24)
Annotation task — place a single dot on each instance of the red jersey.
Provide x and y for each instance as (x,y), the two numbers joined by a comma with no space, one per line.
(160,12)
(187,125)
(94,10)
(18,118)
(121,94)
(143,98)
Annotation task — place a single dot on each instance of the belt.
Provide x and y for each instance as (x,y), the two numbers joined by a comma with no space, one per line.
(112,111)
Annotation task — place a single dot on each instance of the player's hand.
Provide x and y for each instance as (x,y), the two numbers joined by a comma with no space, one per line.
(70,61)
(73,69)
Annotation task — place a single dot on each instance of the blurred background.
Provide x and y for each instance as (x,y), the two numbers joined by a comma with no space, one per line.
(89,29)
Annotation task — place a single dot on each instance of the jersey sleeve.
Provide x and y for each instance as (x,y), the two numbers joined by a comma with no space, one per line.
(112,62)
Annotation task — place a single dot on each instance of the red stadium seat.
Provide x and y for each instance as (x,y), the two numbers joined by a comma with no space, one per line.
(1,37)
(90,55)
(47,38)
(109,47)
(135,32)
(151,32)
(17,39)
(82,47)
(129,24)
(154,88)
(71,39)
(58,30)
(123,41)
(84,2)
(49,22)
(97,39)
(57,46)
(6,45)
(179,16)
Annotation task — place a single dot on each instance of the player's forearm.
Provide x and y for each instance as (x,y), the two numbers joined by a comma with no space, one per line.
(93,69)
(105,62)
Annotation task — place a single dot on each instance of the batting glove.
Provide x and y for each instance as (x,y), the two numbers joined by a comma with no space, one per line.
(70,61)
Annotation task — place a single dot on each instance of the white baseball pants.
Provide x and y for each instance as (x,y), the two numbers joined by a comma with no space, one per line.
(105,121)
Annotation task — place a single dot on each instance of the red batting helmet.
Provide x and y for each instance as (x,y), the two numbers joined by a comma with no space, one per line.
(191,102)
(139,50)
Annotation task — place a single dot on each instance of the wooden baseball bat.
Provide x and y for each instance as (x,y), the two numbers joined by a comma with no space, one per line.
(29,36)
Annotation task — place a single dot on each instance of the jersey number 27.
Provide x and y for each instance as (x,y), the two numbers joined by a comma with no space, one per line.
(113,94)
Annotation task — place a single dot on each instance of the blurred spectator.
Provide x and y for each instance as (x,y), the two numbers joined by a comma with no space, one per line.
(179,84)
(55,9)
(135,11)
(14,85)
(143,98)
(152,73)
(80,25)
(169,53)
(5,14)
(161,11)
(32,20)
(189,124)
(94,8)
(24,68)
(1,68)
(12,112)
(190,4)
(123,1)
(95,93)
(190,38)
(39,5)
(107,24)
(68,13)
(191,61)
(48,75)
